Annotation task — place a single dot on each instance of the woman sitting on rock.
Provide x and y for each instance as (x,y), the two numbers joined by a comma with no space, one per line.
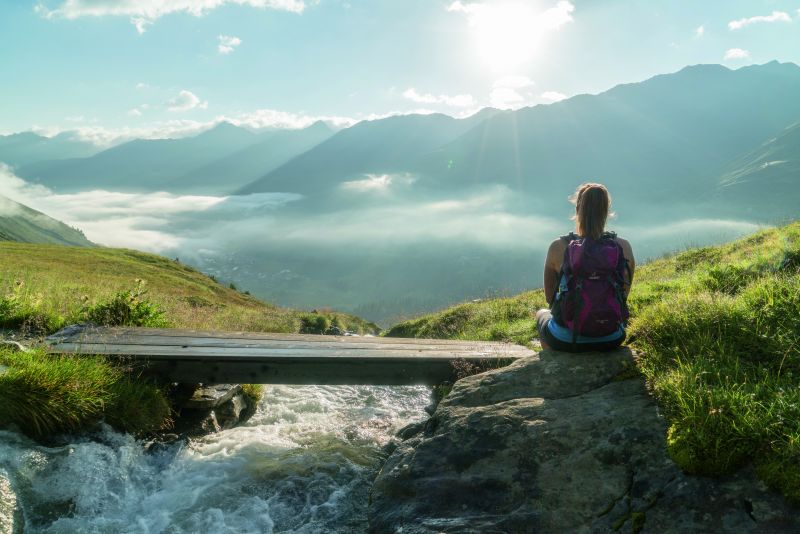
(587,277)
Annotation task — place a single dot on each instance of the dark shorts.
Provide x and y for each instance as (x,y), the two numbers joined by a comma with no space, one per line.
(557,344)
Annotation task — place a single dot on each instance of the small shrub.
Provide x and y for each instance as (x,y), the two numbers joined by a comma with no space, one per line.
(138,407)
(232,286)
(26,311)
(338,323)
(780,472)
(127,308)
(790,262)
(44,395)
(196,301)
(253,392)
(314,324)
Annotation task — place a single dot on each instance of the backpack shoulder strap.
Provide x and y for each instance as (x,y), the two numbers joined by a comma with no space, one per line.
(572,236)
(609,235)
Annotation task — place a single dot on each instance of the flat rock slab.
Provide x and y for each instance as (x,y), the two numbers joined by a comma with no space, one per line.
(209,397)
(558,443)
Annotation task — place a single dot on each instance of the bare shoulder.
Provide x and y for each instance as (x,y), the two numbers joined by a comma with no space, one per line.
(558,244)
(555,253)
(557,247)
(626,247)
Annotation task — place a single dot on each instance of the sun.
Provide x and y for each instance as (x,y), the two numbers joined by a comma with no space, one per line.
(509,34)
(505,35)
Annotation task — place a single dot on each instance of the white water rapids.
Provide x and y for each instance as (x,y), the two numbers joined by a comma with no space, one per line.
(303,463)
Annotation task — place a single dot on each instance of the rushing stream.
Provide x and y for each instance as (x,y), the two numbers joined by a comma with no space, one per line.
(303,463)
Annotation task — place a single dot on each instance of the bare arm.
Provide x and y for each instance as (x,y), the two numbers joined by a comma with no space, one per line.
(627,250)
(552,266)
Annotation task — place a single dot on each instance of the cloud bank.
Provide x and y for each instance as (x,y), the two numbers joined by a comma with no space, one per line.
(143,13)
(259,119)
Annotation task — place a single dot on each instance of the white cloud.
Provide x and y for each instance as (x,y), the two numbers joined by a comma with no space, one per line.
(427,98)
(141,24)
(775,16)
(135,112)
(185,101)
(374,182)
(141,86)
(699,31)
(512,92)
(142,13)
(227,43)
(378,183)
(553,96)
(736,53)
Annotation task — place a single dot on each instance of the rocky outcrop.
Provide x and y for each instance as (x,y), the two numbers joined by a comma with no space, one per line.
(558,443)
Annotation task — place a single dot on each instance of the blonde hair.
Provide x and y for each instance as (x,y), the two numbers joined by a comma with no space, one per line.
(592,209)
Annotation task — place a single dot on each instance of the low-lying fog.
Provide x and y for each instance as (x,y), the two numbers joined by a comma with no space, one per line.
(384,254)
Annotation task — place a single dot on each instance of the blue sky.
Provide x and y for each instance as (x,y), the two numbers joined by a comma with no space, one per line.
(157,67)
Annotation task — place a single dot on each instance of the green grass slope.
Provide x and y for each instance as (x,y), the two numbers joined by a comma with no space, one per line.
(718,330)
(45,287)
(21,223)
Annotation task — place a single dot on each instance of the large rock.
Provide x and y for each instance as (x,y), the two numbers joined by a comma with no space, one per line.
(213,408)
(558,443)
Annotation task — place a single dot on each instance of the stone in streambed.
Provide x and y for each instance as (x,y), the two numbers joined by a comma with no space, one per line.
(213,408)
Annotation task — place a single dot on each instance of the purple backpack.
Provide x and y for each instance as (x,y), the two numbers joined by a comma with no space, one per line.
(590,299)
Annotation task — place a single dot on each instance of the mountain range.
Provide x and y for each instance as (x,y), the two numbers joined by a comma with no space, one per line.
(27,147)
(217,161)
(691,135)
(677,135)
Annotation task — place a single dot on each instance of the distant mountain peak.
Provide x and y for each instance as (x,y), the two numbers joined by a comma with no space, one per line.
(319,125)
(226,130)
(225,126)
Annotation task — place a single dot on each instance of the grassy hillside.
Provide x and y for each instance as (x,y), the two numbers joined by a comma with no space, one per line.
(21,223)
(45,287)
(718,329)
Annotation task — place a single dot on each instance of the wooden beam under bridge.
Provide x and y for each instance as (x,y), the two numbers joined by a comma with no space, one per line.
(208,357)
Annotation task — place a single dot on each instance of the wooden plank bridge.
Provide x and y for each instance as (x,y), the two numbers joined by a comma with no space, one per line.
(207,357)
